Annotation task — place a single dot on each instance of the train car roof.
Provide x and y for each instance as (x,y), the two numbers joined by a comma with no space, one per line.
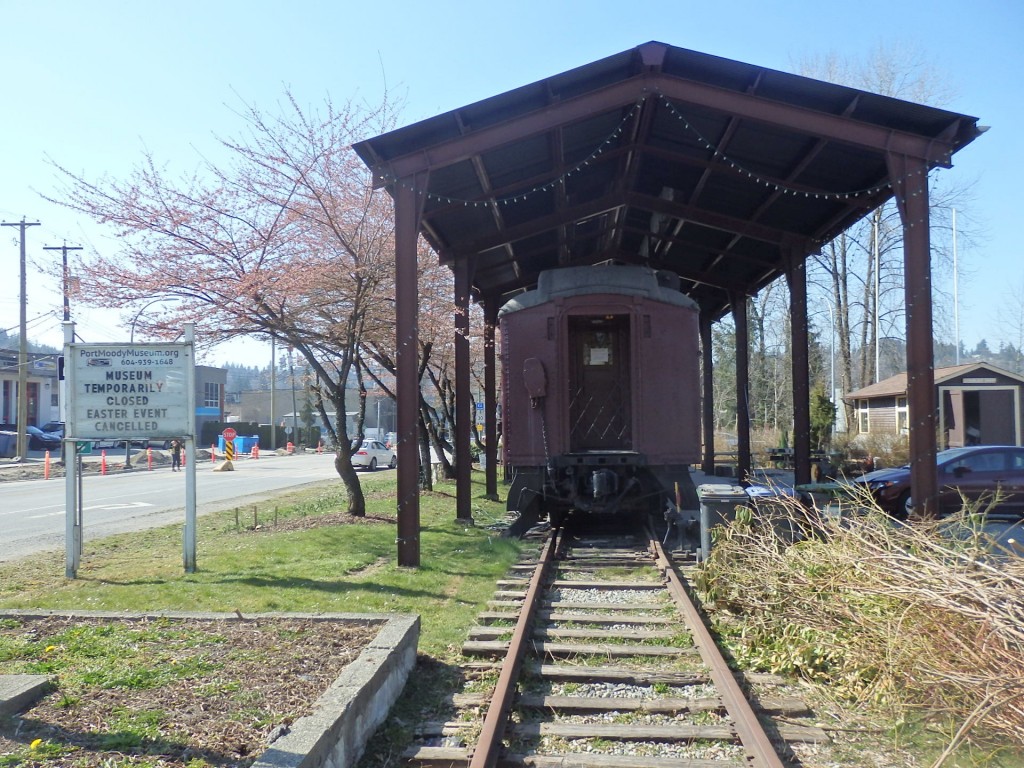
(720,171)
(600,279)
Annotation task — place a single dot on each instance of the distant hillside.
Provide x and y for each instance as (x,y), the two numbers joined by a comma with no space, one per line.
(13,342)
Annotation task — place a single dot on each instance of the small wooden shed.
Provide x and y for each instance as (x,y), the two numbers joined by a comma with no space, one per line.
(978,404)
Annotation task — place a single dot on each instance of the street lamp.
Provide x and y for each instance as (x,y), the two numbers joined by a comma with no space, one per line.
(131,339)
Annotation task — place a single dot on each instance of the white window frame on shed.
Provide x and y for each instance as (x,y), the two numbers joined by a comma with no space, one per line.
(902,415)
(864,417)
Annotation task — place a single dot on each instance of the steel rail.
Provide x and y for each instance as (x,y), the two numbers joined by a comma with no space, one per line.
(485,754)
(751,734)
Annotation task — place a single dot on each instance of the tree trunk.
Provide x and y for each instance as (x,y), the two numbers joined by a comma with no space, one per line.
(347,473)
(426,470)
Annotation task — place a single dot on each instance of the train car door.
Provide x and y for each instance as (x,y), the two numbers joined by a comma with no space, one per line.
(599,391)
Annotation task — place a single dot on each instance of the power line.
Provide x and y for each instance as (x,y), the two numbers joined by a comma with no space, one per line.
(64,284)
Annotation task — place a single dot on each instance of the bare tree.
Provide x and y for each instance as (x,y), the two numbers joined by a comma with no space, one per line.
(1011,323)
(859,274)
(285,237)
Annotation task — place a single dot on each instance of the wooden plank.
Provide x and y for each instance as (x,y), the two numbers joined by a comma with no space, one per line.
(490,616)
(597,634)
(586,563)
(496,633)
(593,760)
(597,618)
(568,673)
(632,732)
(455,757)
(578,618)
(571,605)
(774,704)
(489,648)
(778,705)
(804,734)
(660,706)
(610,584)
(790,706)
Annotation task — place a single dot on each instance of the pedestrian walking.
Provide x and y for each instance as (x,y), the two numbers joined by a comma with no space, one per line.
(175,455)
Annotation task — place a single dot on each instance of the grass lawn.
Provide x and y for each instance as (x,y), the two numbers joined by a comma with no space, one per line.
(297,553)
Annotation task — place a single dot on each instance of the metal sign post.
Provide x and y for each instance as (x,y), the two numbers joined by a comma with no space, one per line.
(125,392)
(188,551)
(73,532)
(189,547)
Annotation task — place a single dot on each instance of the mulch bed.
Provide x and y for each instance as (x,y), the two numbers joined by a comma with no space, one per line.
(243,682)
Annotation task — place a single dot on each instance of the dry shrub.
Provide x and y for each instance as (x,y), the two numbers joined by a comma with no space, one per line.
(923,616)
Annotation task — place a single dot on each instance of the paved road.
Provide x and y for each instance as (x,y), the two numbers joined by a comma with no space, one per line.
(32,511)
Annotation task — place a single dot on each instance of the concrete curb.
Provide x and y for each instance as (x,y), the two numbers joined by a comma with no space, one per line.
(18,692)
(351,709)
(346,715)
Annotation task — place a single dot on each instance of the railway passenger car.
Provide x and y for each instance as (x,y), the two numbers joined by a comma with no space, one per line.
(601,409)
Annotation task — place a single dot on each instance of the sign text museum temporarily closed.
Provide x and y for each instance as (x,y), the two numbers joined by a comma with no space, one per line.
(124,391)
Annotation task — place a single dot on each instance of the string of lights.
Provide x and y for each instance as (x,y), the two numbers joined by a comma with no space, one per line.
(602,146)
(611,140)
(754,176)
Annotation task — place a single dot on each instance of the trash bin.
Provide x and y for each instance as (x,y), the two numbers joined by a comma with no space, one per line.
(720,502)
(8,444)
(718,505)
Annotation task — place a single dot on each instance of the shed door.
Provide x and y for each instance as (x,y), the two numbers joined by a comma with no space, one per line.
(599,391)
(997,419)
(953,401)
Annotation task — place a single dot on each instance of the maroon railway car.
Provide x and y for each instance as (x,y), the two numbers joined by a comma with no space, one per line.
(601,392)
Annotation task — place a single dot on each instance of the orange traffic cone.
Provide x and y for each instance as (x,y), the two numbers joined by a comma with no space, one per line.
(255,450)
(103,462)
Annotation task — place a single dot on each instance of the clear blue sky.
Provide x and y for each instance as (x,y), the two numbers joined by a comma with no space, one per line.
(93,85)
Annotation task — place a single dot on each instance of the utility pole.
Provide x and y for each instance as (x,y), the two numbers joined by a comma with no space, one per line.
(64,285)
(65,290)
(22,448)
(273,388)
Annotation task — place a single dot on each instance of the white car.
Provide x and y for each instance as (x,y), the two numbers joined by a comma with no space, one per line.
(372,454)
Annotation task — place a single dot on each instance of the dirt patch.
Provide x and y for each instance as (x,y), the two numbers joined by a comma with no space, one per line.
(168,692)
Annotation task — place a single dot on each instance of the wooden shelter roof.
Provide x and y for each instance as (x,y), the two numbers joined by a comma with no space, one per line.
(720,171)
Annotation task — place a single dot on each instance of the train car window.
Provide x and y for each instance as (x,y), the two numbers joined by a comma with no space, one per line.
(597,349)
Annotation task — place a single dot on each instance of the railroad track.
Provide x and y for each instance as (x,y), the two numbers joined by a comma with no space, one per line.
(593,654)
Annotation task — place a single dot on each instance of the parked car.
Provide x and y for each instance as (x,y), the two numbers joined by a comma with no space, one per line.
(977,473)
(43,441)
(54,427)
(372,454)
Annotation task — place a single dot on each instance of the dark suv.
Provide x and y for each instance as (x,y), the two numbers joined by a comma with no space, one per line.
(976,473)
